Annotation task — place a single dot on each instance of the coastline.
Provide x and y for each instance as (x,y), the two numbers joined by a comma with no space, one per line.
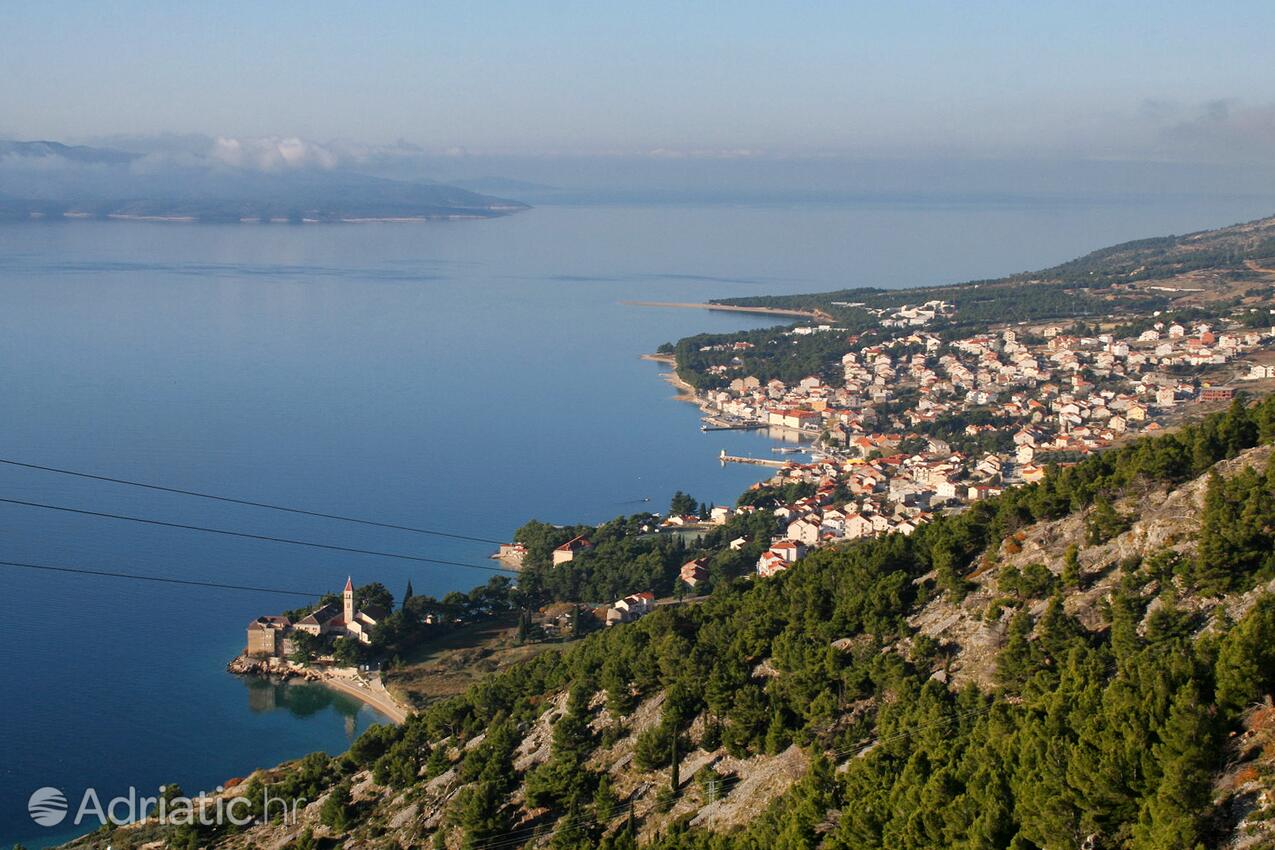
(786,312)
(368,691)
(685,392)
(779,434)
(372,694)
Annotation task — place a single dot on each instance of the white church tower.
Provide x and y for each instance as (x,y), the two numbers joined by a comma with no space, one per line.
(347,597)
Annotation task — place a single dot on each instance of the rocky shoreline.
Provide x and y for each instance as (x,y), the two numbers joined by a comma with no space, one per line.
(275,668)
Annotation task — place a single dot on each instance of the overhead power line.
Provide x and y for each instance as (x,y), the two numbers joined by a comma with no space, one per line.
(160,579)
(248,502)
(431,604)
(266,537)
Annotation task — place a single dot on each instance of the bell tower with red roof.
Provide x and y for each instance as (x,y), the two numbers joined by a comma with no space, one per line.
(347,597)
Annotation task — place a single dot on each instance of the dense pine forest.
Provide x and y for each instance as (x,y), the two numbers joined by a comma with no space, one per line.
(1111,734)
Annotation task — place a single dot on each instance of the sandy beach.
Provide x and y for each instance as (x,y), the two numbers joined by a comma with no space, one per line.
(369,691)
(366,688)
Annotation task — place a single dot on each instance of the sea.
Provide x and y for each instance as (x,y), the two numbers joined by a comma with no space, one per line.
(461,376)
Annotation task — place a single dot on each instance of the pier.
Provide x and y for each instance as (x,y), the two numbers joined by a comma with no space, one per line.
(714,423)
(756,461)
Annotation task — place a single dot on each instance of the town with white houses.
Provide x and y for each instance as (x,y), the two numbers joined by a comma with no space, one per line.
(890,446)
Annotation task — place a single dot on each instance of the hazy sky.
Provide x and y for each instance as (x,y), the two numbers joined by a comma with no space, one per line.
(1140,80)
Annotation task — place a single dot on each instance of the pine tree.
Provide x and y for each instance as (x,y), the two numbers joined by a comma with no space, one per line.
(615,681)
(1071,567)
(1238,430)
(564,777)
(683,504)
(807,807)
(605,801)
(574,830)
(1174,815)
(337,811)
(1206,448)
(1016,661)
(777,735)
(1104,522)
(1045,805)
(571,735)
(1058,632)
(992,826)
(1125,641)
(946,572)
(438,762)
(1213,569)
(407,594)
(479,811)
(1105,768)
(1246,661)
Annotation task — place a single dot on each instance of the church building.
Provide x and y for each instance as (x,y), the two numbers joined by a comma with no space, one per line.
(268,635)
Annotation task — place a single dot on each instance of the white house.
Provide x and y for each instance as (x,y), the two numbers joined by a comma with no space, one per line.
(857,525)
(804,531)
(721,515)
(630,608)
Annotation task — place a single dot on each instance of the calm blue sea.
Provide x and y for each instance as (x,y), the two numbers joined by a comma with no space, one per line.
(467,376)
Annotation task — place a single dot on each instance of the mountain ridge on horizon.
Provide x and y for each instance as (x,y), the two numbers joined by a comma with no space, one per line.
(45,179)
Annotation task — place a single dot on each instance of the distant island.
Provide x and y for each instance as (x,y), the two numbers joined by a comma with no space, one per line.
(44,180)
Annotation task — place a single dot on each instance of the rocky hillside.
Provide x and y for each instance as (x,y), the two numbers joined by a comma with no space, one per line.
(1161,519)
(1087,662)
(1168,256)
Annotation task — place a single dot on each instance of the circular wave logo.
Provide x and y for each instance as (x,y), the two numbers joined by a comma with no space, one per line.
(47,806)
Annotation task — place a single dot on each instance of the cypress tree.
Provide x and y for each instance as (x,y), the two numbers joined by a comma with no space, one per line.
(675,775)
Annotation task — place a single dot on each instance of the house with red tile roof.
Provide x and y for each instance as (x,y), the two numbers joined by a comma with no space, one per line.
(694,572)
(567,551)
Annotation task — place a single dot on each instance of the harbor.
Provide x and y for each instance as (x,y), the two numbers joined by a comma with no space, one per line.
(718,423)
